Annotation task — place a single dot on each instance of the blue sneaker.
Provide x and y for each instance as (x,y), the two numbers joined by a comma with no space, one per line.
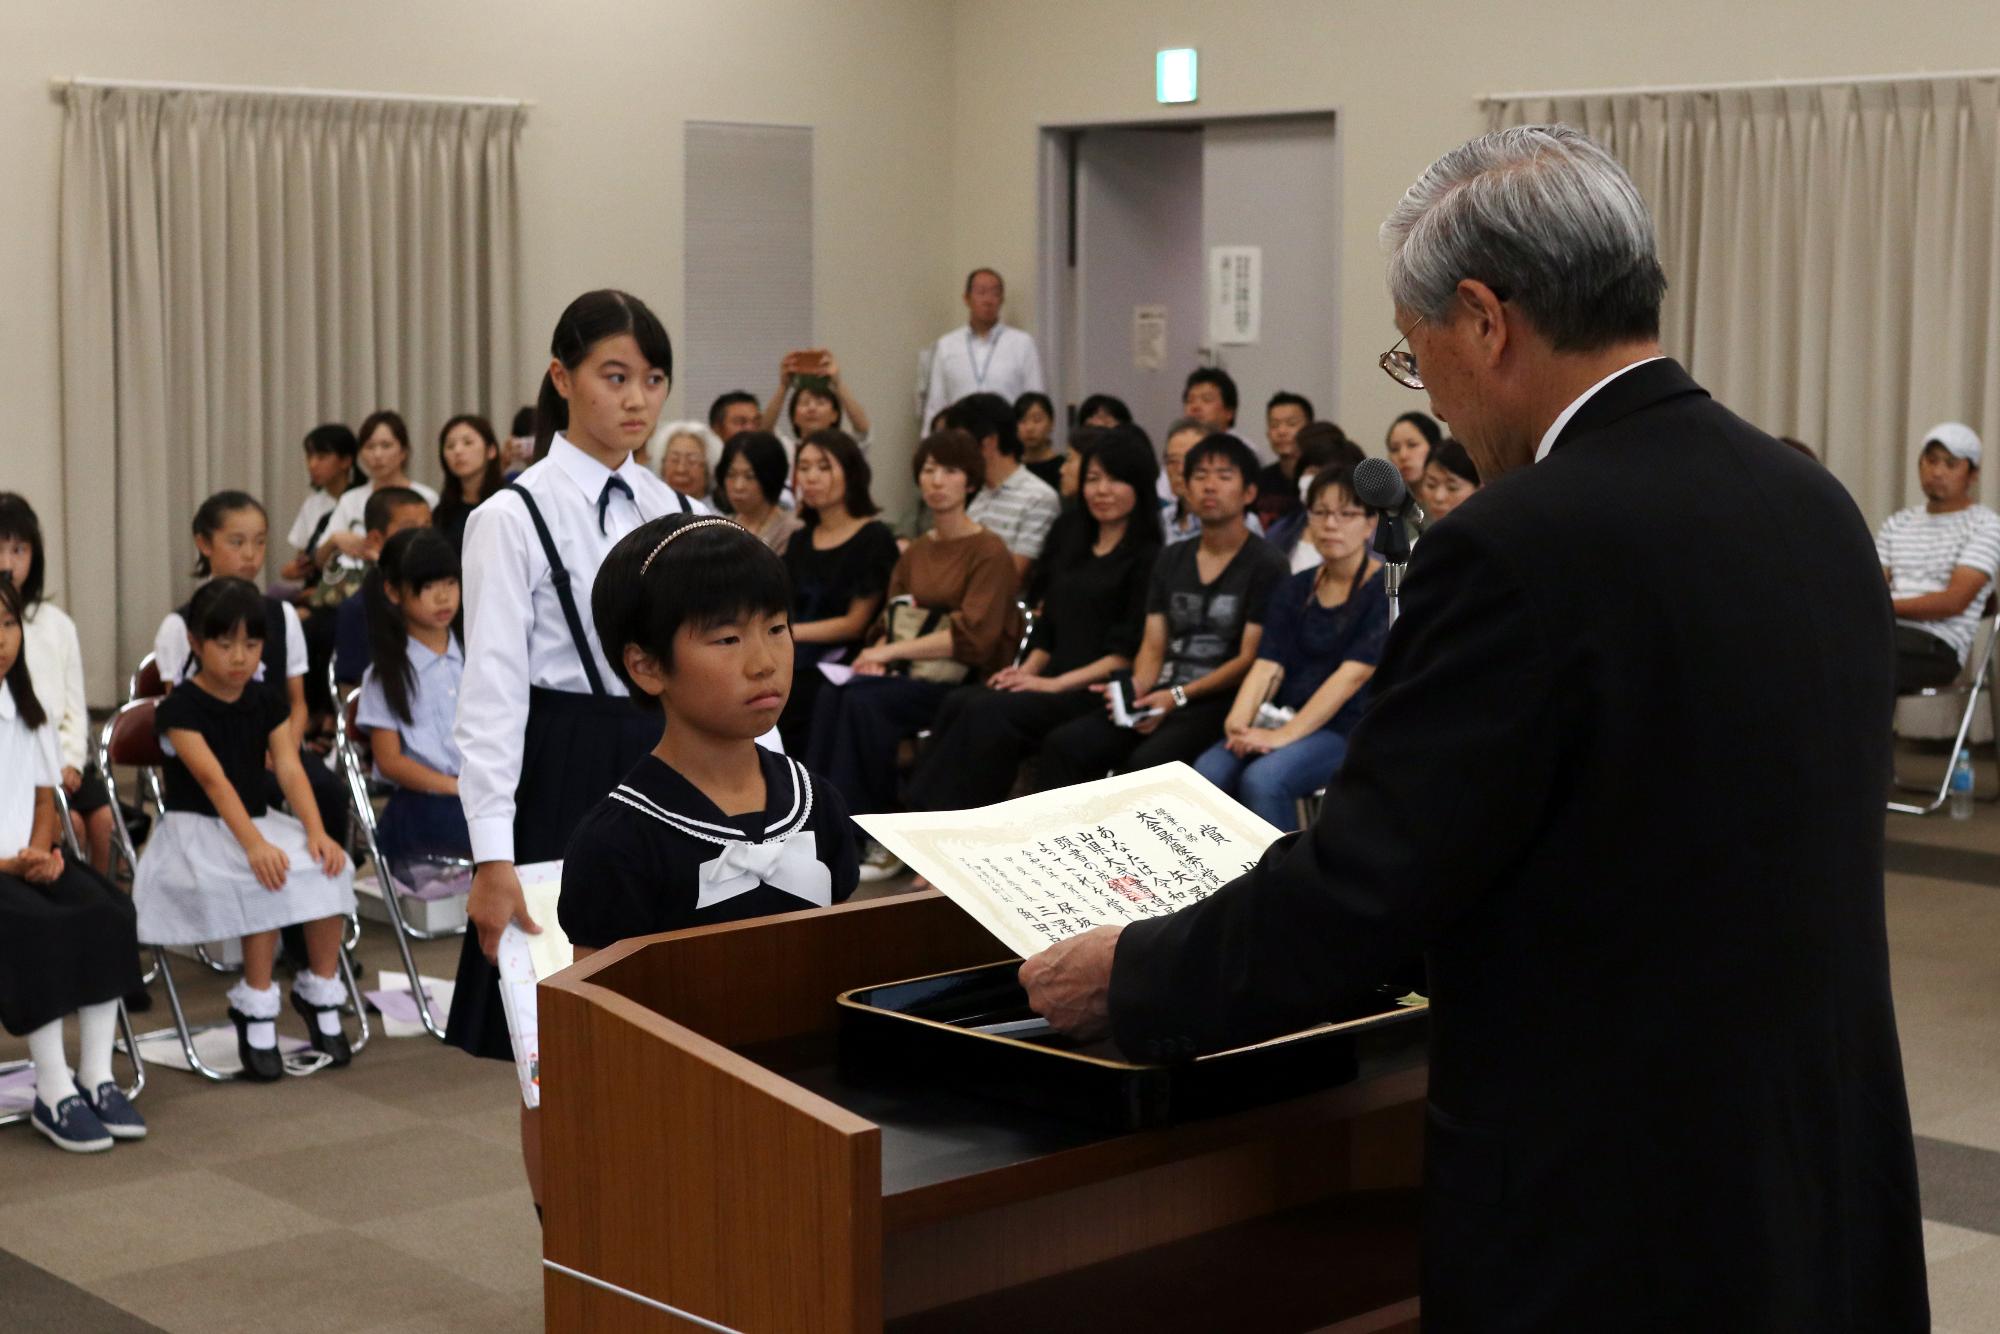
(121,1120)
(72,1126)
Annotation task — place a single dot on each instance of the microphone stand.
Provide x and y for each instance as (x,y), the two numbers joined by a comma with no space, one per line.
(1392,544)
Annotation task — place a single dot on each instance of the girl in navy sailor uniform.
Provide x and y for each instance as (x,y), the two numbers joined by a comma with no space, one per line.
(709,826)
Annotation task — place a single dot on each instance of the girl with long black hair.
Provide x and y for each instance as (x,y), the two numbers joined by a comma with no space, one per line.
(544,725)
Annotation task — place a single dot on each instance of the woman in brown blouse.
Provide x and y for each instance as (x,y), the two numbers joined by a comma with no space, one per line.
(750,480)
(962,578)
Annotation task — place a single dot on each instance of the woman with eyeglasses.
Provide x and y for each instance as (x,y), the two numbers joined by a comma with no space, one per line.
(1286,735)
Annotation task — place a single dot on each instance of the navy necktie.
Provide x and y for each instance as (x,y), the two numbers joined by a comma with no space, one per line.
(611,483)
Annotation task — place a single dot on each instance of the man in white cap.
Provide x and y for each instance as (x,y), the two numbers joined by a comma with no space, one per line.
(1940,558)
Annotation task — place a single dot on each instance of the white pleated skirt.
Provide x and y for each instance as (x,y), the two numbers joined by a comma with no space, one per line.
(195,885)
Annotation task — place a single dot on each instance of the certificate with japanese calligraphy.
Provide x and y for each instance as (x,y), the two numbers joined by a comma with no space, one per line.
(1037,869)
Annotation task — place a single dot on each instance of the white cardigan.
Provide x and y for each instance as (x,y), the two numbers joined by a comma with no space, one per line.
(55,666)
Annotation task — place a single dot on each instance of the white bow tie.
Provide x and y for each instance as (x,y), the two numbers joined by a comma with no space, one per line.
(791,864)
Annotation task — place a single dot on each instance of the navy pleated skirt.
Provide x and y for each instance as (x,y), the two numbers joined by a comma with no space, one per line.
(63,946)
(577,748)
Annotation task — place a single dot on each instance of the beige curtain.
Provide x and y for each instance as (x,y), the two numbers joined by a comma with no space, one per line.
(237,268)
(1833,255)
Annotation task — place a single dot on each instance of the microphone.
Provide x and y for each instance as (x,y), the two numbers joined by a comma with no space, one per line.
(1379,486)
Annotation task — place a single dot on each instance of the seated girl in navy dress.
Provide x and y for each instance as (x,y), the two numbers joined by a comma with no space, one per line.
(409,694)
(709,827)
(66,941)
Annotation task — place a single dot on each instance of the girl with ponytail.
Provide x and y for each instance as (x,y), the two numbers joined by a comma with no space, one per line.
(544,726)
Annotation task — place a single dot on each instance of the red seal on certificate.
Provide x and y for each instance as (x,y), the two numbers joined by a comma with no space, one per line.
(1129,887)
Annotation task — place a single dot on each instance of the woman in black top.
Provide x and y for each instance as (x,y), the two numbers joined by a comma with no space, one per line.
(1092,619)
(839,566)
(469,454)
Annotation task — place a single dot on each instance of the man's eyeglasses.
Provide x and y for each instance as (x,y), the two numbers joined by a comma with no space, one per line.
(1401,364)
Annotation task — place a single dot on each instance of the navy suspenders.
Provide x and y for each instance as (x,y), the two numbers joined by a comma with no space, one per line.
(559,576)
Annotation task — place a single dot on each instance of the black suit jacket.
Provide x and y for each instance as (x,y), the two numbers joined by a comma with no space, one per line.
(1623,781)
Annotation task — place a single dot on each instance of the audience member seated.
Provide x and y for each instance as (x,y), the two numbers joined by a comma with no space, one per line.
(1103,411)
(1323,633)
(1069,481)
(1178,519)
(409,695)
(385,461)
(812,397)
(731,414)
(520,450)
(1449,477)
(221,864)
(1075,513)
(1013,503)
(985,356)
(1205,612)
(1035,424)
(391,510)
(1411,438)
(950,614)
(1097,570)
(752,474)
(1278,487)
(1940,558)
(839,566)
(689,452)
(1319,446)
(66,938)
(1210,397)
(53,653)
(469,454)
(230,530)
(330,467)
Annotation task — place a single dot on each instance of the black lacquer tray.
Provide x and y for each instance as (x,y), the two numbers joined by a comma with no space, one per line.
(972,1030)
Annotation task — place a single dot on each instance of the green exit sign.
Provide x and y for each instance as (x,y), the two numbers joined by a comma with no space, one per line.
(1174,75)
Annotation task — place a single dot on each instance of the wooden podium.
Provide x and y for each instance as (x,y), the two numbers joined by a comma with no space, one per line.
(708,1168)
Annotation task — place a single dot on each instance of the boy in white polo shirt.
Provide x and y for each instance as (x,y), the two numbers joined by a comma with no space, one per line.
(1940,558)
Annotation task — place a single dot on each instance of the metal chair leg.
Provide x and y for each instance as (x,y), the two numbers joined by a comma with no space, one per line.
(180,1028)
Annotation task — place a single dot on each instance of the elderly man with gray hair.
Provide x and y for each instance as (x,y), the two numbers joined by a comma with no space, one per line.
(1622,786)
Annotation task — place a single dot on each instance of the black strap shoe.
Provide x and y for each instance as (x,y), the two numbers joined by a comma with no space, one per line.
(263,1064)
(333,1044)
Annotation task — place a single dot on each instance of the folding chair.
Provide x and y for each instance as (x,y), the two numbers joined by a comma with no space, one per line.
(128,1043)
(145,682)
(351,749)
(131,738)
(1982,675)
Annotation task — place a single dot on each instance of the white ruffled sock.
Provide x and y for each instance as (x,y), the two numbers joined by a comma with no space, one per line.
(45,1049)
(262,1007)
(323,992)
(97,1026)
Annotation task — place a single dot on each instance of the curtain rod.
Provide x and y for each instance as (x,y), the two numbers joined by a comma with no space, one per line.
(58,85)
(1662,90)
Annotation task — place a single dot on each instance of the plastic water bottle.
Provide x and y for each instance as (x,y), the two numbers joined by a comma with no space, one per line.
(1961,785)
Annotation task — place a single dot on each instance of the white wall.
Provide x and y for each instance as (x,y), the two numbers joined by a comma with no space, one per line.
(1405,81)
(600,166)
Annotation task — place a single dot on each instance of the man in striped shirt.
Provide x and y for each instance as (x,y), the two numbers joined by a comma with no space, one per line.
(1940,558)
(1012,502)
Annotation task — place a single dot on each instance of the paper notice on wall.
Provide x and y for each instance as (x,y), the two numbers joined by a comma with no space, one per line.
(1038,869)
(1235,294)
(524,960)
(1149,337)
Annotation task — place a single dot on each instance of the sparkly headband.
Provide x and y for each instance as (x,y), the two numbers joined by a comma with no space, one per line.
(678,532)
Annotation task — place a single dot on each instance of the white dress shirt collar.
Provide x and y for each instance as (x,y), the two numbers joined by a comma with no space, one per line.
(1550,436)
(587,472)
(990,336)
